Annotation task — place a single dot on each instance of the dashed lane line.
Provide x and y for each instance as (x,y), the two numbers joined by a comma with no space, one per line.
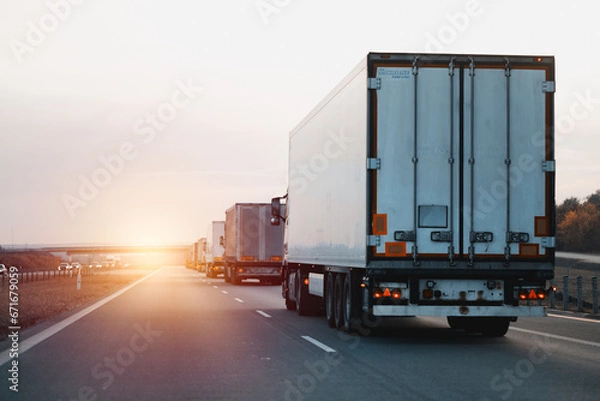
(319,344)
(263,313)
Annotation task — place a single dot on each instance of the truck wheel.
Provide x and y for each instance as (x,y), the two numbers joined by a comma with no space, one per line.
(339,301)
(456,322)
(290,305)
(347,305)
(494,327)
(235,280)
(488,327)
(330,300)
(301,296)
(285,292)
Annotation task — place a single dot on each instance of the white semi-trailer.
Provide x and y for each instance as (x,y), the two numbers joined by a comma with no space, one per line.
(215,261)
(253,247)
(423,185)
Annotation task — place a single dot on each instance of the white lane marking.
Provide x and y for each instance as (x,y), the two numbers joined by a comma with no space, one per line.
(224,292)
(239,300)
(318,344)
(263,313)
(569,339)
(574,318)
(34,340)
(215,286)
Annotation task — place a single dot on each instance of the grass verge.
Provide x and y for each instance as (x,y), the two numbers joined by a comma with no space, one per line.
(42,300)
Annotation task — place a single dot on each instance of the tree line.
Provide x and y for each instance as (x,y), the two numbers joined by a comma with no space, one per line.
(578,224)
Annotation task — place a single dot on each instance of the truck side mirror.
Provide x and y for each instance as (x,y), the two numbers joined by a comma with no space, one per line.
(222,241)
(275,211)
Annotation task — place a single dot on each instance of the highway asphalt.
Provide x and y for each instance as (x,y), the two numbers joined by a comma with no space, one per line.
(177,335)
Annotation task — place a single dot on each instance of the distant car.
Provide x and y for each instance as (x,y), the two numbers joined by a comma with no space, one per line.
(76,265)
(98,265)
(3,270)
(64,266)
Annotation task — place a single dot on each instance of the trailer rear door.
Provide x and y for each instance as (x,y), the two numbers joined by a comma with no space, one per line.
(462,158)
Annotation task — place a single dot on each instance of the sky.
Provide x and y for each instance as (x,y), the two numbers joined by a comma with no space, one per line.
(141,121)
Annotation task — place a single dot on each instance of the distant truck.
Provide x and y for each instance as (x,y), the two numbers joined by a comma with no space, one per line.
(253,247)
(423,185)
(200,262)
(215,262)
(189,257)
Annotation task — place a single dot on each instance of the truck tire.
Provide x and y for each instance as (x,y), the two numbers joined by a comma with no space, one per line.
(494,327)
(330,300)
(456,322)
(235,280)
(339,301)
(285,293)
(488,327)
(290,305)
(302,301)
(347,305)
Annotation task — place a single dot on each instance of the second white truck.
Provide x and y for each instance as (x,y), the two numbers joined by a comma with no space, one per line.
(253,247)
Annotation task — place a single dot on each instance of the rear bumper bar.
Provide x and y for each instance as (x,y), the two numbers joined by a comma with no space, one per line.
(455,310)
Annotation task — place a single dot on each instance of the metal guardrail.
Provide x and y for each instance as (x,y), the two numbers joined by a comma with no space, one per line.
(42,275)
(579,295)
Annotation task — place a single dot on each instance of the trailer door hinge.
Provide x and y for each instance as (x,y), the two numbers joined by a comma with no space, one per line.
(549,166)
(549,87)
(549,242)
(373,163)
(373,240)
(374,83)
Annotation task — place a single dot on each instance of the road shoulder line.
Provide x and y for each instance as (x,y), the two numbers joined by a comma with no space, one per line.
(581,319)
(32,341)
(557,337)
